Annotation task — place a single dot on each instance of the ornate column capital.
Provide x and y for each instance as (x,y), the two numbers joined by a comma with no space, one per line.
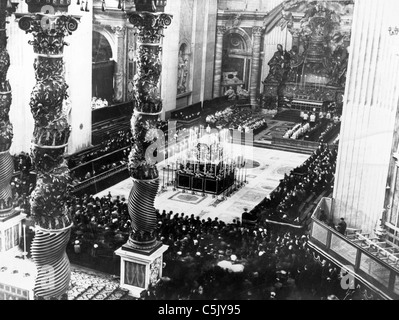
(48,30)
(221,30)
(258,31)
(149,25)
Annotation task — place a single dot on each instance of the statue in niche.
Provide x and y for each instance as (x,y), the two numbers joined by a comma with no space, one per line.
(182,73)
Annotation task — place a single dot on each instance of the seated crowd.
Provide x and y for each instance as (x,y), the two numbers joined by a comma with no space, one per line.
(312,130)
(207,258)
(116,141)
(93,171)
(315,175)
(98,103)
(326,134)
(238,118)
(211,259)
(22,182)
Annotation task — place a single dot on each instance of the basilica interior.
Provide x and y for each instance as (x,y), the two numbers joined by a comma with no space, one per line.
(199,150)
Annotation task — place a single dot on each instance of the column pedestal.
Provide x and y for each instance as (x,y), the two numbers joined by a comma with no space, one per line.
(140,268)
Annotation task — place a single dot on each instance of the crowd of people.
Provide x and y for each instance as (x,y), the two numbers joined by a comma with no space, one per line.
(326,134)
(211,259)
(207,258)
(297,131)
(313,128)
(98,103)
(315,175)
(98,169)
(23,181)
(116,141)
(237,118)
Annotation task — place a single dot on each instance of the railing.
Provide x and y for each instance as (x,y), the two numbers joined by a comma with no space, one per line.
(366,267)
(392,236)
(99,177)
(99,158)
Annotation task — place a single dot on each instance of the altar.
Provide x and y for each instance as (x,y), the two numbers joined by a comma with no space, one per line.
(206,163)
(203,183)
(312,75)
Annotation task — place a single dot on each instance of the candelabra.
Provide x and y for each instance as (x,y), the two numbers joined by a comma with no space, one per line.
(49,23)
(148,107)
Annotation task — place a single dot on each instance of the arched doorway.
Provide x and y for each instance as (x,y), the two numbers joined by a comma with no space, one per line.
(103,68)
(236,61)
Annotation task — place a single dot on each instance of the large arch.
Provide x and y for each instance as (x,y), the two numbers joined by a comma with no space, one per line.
(236,60)
(109,36)
(243,34)
(103,67)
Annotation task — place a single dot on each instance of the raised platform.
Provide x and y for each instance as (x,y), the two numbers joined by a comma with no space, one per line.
(203,183)
(267,169)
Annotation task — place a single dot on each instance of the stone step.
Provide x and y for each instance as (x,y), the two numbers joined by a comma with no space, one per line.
(118,294)
(76,291)
(284,148)
(105,293)
(90,293)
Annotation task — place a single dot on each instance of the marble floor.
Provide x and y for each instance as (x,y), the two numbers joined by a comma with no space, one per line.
(264,176)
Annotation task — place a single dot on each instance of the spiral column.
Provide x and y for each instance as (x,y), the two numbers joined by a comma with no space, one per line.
(6,129)
(144,123)
(50,138)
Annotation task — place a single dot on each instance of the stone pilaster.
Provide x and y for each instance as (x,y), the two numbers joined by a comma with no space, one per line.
(253,86)
(120,74)
(217,79)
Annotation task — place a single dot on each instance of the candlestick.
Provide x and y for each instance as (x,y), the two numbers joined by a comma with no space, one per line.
(163,178)
(24,230)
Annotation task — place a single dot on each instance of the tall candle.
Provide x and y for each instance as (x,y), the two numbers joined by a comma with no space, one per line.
(24,230)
